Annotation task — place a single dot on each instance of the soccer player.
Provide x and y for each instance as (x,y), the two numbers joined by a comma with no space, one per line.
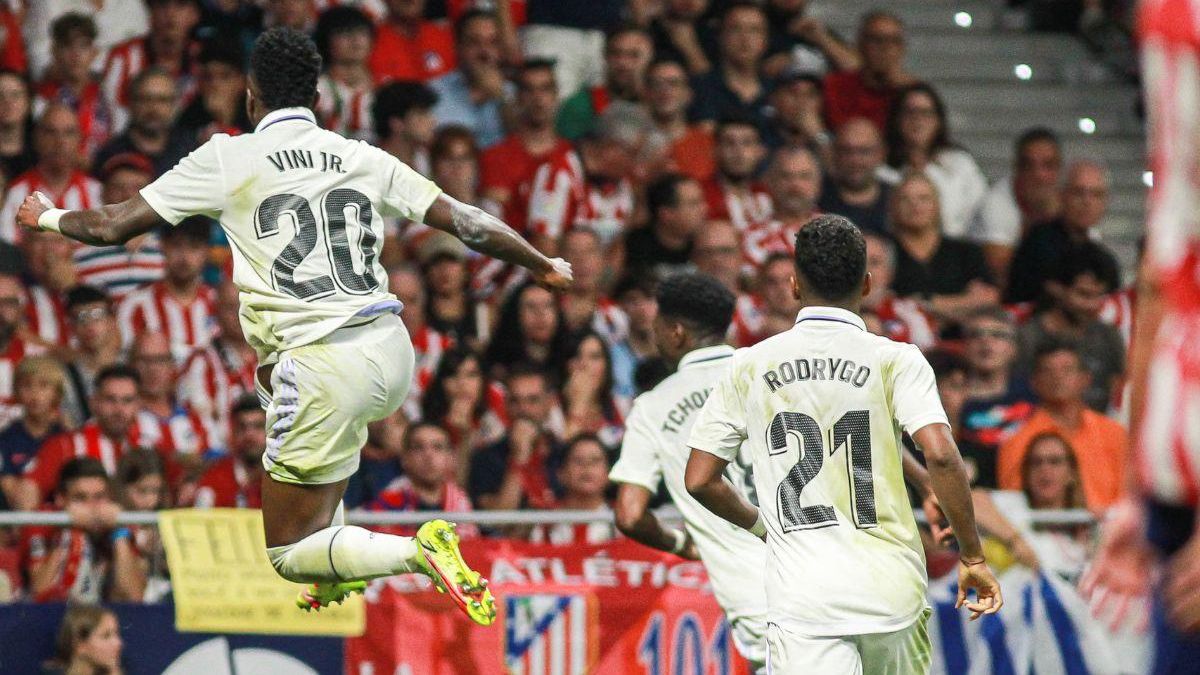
(694,313)
(819,409)
(303,209)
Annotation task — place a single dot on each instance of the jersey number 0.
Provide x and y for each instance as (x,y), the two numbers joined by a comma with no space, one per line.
(338,206)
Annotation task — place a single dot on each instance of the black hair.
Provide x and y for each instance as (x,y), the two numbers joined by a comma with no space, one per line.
(698,301)
(340,19)
(645,282)
(508,343)
(71,24)
(993,313)
(86,295)
(79,468)
(413,428)
(246,403)
(529,66)
(664,193)
(579,439)
(1054,344)
(530,370)
(397,99)
(285,66)
(435,404)
(898,150)
(831,257)
(225,47)
(1089,258)
(736,121)
(196,229)
(470,15)
(117,372)
(625,28)
(608,405)
(944,362)
(650,372)
(1034,135)
(137,464)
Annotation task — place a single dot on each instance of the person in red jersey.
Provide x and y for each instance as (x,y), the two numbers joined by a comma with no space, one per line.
(869,91)
(168,46)
(50,272)
(411,47)
(428,460)
(1165,362)
(794,183)
(69,80)
(733,193)
(235,480)
(162,420)
(13,348)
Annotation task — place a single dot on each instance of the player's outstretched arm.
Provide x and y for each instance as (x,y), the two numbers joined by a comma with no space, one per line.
(105,226)
(488,234)
(635,520)
(705,480)
(949,479)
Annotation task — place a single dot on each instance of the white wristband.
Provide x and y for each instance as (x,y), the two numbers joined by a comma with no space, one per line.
(49,219)
(680,541)
(759,529)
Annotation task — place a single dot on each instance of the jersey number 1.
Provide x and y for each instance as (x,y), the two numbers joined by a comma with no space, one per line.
(854,431)
(336,205)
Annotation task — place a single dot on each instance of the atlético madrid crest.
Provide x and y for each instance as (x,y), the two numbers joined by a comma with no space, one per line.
(550,634)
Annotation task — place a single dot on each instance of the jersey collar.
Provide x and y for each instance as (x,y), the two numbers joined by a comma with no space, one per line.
(831,314)
(705,355)
(284,114)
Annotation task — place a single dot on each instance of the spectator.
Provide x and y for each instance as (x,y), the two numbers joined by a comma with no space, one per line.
(153,102)
(1077,292)
(69,80)
(901,319)
(379,464)
(98,347)
(38,384)
(794,182)
(716,251)
(57,175)
(163,421)
(408,285)
(1027,196)
(628,51)
(584,304)
(119,270)
(454,164)
(735,86)
(779,303)
(141,484)
(428,461)
(800,41)
(998,401)
(16,107)
(677,211)
(509,164)
(463,400)
(516,471)
(219,106)
(91,560)
(948,274)
(449,310)
(950,373)
(668,95)
(298,15)
(410,47)
(1046,247)
(682,35)
(570,34)
(475,94)
(634,294)
(235,480)
(402,116)
(870,91)
(116,21)
(854,187)
(733,194)
(167,47)
(89,641)
(49,273)
(1052,480)
(798,114)
(587,395)
(14,347)
(583,474)
(593,186)
(213,378)
(918,139)
(12,44)
(181,306)
(1059,381)
(531,329)
(346,90)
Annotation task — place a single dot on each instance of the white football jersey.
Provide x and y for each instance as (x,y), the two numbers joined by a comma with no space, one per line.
(820,409)
(303,210)
(655,447)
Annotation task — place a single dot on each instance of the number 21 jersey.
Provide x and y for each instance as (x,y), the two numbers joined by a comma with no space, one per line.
(821,408)
(302,208)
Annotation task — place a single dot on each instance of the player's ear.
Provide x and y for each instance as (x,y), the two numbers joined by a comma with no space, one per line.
(866,290)
(797,291)
(316,99)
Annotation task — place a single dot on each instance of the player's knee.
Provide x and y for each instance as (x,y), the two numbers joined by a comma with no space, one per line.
(282,560)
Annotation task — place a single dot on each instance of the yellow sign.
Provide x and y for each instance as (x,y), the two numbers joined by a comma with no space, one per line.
(224,583)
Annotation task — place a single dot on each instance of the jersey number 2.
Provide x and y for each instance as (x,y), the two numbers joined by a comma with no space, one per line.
(854,431)
(338,207)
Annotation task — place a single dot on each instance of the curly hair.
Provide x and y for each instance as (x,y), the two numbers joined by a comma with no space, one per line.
(698,301)
(831,256)
(285,65)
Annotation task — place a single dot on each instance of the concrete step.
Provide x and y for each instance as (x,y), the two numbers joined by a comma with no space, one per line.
(917,16)
(1032,98)
(968,122)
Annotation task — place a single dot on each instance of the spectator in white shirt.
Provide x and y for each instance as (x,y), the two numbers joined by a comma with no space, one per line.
(116,21)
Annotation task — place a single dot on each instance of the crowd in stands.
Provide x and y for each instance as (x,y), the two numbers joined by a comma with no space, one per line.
(635,139)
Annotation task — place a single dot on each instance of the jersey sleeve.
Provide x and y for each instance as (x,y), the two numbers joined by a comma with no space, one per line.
(915,401)
(405,193)
(195,186)
(638,464)
(721,426)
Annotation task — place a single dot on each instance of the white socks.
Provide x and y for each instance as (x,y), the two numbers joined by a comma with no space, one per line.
(345,553)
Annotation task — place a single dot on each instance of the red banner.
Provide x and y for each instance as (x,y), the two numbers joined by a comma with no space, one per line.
(615,609)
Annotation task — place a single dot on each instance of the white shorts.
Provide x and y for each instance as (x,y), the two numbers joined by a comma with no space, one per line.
(324,394)
(903,652)
(751,643)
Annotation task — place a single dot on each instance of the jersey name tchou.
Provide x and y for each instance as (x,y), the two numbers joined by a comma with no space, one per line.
(828,368)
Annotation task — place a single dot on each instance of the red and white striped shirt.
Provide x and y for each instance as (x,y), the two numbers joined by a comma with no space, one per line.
(428,346)
(904,321)
(98,119)
(749,321)
(344,109)
(745,211)
(81,192)
(86,441)
(17,350)
(119,270)
(181,433)
(561,199)
(227,484)
(154,309)
(46,315)
(127,59)
(211,380)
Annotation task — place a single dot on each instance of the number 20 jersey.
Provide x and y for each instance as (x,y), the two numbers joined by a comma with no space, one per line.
(302,208)
(821,408)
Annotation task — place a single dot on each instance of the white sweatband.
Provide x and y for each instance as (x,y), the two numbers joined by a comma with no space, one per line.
(680,541)
(48,221)
(759,529)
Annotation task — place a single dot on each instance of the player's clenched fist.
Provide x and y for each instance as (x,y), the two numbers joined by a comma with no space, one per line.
(31,209)
(558,277)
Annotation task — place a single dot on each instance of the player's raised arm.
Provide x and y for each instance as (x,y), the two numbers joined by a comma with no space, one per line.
(488,234)
(104,226)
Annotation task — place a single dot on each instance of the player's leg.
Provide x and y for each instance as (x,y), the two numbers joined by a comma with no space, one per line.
(791,654)
(904,652)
